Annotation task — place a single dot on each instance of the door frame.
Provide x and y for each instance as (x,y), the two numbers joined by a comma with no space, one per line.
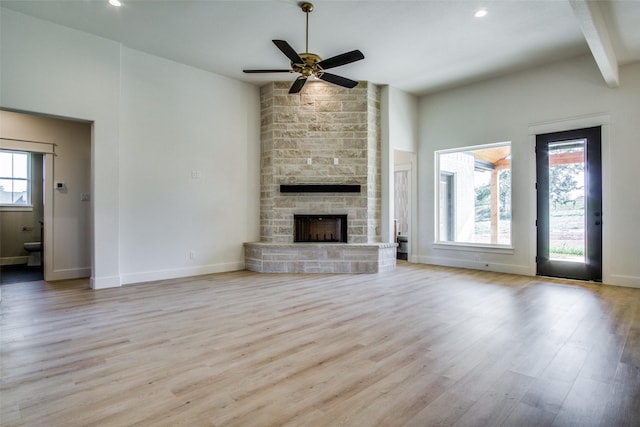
(410,166)
(601,120)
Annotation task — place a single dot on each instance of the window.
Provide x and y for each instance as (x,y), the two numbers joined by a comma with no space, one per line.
(473,197)
(15,178)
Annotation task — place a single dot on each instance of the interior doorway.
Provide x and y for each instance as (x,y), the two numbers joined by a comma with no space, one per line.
(402,202)
(21,215)
(66,215)
(569,204)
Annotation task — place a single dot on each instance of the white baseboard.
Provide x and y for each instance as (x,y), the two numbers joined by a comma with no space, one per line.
(622,280)
(14,260)
(477,265)
(72,273)
(613,279)
(105,282)
(151,276)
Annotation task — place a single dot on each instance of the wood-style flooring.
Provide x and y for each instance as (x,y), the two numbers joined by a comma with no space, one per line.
(420,346)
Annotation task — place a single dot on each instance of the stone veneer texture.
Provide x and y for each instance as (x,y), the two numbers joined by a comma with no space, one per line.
(324,122)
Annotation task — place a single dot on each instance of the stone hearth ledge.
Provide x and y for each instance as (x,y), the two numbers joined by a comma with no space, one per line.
(266,257)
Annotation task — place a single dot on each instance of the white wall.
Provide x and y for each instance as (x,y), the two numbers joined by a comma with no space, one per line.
(50,69)
(175,121)
(399,127)
(403,120)
(504,109)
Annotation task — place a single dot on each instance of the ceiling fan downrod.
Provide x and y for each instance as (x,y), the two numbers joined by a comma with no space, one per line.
(307,8)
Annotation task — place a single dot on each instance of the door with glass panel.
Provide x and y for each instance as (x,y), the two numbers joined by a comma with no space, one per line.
(569,204)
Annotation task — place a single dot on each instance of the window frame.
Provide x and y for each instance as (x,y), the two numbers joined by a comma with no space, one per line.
(13,206)
(439,242)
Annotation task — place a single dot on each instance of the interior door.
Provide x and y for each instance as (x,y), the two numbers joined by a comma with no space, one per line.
(569,204)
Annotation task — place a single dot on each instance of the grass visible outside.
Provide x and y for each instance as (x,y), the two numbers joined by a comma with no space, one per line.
(567,235)
(567,232)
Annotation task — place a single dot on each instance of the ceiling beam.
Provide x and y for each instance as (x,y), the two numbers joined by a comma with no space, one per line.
(595,32)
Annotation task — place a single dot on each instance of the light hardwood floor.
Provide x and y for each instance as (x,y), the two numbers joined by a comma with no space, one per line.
(421,346)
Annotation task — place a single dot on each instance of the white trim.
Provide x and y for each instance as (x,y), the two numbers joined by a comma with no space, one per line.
(475,265)
(475,147)
(14,260)
(104,282)
(72,273)
(622,280)
(150,276)
(32,146)
(47,217)
(562,125)
(412,200)
(474,247)
(16,208)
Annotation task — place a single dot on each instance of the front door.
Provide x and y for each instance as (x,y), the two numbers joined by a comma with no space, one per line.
(569,204)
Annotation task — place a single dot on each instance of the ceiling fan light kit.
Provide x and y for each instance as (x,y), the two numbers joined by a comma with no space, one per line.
(309,64)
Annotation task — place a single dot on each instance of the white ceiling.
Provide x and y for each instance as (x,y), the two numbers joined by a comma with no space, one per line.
(417,46)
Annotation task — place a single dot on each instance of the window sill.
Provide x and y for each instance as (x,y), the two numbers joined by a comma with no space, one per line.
(7,208)
(474,247)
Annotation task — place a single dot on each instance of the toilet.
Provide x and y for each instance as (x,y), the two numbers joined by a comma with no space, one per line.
(35,250)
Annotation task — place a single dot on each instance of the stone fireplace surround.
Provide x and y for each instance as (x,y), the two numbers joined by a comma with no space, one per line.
(324,137)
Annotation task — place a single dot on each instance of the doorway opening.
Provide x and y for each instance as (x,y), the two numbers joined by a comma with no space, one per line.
(66,214)
(22,215)
(403,177)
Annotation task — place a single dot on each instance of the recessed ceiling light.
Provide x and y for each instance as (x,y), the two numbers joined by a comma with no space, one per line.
(480,13)
(115,3)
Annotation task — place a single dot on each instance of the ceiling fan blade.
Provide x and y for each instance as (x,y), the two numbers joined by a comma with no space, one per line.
(342,59)
(337,80)
(288,51)
(297,85)
(266,71)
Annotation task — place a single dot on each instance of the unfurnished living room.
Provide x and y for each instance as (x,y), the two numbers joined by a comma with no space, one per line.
(338,213)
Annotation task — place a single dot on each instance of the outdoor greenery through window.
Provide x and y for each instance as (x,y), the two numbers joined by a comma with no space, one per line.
(474,195)
(15,183)
(566,200)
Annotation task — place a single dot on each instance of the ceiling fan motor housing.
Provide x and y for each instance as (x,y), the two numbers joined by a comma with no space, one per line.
(310,65)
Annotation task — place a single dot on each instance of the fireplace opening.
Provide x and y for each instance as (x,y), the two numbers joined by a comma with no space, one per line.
(320,228)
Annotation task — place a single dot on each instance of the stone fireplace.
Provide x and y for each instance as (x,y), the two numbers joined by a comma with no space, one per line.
(320,155)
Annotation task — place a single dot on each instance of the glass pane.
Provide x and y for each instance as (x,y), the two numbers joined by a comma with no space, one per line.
(567,211)
(6,170)
(475,195)
(446,208)
(6,191)
(20,165)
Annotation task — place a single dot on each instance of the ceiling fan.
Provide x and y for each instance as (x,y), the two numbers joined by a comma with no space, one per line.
(309,64)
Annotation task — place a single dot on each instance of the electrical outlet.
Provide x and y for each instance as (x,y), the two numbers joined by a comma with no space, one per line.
(309,160)
(192,254)
(335,161)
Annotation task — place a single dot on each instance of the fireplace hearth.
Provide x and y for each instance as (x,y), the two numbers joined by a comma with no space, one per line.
(320,228)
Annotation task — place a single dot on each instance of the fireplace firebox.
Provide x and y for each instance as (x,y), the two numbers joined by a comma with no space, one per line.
(320,228)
